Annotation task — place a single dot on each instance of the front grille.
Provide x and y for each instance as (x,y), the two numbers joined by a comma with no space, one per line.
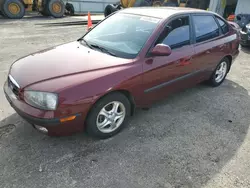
(14,88)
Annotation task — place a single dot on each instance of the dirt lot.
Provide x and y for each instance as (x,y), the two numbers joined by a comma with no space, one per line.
(197,138)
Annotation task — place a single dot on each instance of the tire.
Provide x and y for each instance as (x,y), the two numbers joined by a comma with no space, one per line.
(70,8)
(13,9)
(215,80)
(109,9)
(55,8)
(94,117)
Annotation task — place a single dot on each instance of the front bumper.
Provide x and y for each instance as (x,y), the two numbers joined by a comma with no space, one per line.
(44,119)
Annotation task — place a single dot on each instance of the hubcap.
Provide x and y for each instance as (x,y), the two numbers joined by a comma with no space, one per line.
(56,7)
(221,72)
(14,8)
(111,117)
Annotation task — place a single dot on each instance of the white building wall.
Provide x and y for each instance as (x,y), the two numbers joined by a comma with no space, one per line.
(216,6)
(243,7)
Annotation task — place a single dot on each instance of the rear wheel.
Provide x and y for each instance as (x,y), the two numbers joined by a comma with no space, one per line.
(13,9)
(108,116)
(220,73)
(55,8)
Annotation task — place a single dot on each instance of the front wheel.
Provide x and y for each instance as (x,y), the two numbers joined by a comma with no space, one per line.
(108,116)
(220,73)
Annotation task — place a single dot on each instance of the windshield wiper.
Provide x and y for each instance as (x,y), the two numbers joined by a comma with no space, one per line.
(82,39)
(98,47)
(103,49)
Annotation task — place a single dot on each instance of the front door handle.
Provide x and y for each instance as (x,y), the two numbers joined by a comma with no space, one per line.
(184,61)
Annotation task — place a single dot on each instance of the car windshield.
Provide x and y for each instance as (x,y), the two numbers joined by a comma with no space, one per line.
(121,35)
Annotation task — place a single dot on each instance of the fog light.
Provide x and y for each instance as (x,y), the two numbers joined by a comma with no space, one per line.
(41,129)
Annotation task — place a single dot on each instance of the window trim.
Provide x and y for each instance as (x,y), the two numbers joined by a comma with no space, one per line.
(164,26)
(194,35)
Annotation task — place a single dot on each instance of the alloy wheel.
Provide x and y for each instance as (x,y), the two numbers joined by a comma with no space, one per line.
(221,72)
(111,117)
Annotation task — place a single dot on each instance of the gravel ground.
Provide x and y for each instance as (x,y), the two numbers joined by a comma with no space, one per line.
(196,138)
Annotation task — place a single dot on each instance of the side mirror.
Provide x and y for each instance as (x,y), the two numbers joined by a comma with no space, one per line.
(161,50)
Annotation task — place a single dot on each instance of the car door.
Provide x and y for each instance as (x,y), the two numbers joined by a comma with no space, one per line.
(166,74)
(225,42)
(207,33)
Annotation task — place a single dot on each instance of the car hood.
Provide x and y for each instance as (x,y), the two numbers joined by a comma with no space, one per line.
(67,59)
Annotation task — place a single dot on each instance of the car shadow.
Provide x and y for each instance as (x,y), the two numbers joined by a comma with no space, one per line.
(183,141)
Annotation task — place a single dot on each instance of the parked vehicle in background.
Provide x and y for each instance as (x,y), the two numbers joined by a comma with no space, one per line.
(245,36)
(200,4)
(242,19)
(15,9)
(130,59)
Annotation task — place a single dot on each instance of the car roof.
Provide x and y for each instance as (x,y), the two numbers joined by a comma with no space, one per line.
(161,12)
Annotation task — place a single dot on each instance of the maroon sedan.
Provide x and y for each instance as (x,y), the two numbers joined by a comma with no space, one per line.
(131,59)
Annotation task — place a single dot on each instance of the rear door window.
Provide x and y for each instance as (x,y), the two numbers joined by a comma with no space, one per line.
(205,27)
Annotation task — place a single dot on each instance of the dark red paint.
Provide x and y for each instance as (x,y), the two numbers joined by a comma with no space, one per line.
(81,76)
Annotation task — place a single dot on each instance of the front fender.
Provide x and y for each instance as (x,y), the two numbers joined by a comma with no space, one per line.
(84,89)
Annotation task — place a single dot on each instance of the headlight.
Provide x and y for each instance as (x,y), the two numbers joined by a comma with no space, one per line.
(41,100)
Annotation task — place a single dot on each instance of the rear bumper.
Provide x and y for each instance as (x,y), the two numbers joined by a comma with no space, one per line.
(36,117)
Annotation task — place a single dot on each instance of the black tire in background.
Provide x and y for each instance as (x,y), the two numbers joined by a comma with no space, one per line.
(13,9)
(91,125)
(109,9)
(55,8)
(70,8)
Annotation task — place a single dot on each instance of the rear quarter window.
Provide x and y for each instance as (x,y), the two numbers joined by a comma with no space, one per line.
(224,26)
(205,27)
